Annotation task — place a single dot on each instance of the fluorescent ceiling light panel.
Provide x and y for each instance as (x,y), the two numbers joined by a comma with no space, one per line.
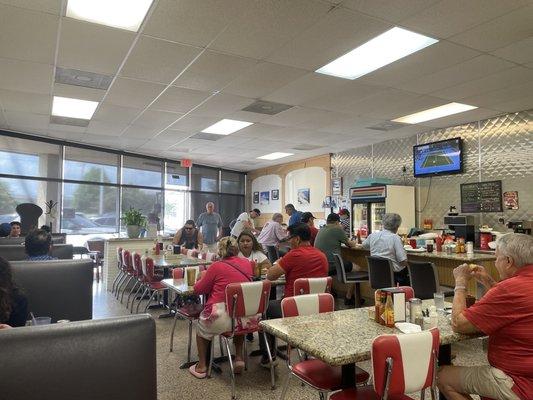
(73,108)
(434,113)
(384,49)
(275,156)
(226,127)
(122,14)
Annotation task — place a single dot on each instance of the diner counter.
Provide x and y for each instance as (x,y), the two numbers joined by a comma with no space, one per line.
(444,262)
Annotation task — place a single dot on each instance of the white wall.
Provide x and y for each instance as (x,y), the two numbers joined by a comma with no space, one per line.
(267,183)
(312,178)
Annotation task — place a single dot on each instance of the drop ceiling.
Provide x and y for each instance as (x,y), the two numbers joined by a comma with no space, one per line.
(195,62)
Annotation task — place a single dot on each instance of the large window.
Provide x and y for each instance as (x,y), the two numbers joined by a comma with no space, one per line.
(92,187)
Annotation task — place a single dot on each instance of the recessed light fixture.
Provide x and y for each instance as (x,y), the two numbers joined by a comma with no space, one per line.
(226,126)
(275,156)
(434,113)
(73,108)
(384,49)
(122,14)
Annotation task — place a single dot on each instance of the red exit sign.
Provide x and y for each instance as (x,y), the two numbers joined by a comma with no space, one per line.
(186,163)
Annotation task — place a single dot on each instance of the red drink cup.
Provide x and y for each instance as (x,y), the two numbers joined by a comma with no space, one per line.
(412,242)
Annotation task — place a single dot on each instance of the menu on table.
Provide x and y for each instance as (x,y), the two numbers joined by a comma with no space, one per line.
(481,197)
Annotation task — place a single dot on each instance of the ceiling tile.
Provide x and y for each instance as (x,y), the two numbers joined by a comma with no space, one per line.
(172,136)
(515,104)
(258,131)
(499,80)
(156,119)
(499,32)
(78,92)
(222,104)
(426,61)
(520,52)
(21,120)
(388,10)
(139,132)
(133,93)
(25,76)
(107,112)
(503,95)
(264,26)
(157,60)
(343,98)
(294,116)
(457,74)
(191,21)
(333,36)
(212,71)
(462,118)
(106,128)
(193,124)
(25,102)
(263,79)
(449,17)
(92,47)
(179,100)
(155,146)
(48,6)
(27,35)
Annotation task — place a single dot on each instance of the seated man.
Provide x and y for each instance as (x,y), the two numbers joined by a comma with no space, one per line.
(15,229)
(302,261)
(505,314)
(387,244)
(38,245)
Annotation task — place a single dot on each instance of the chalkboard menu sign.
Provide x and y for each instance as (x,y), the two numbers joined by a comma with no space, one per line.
(481,197)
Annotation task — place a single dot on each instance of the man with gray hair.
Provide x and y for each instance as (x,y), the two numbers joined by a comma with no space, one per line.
(387,244)
(505,314)
(210,224)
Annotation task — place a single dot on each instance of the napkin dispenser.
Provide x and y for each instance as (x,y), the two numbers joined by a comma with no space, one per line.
(398,295)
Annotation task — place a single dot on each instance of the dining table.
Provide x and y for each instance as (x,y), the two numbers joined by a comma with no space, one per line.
(344,338)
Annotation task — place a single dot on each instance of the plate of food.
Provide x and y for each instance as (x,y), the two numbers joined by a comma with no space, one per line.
(417,250)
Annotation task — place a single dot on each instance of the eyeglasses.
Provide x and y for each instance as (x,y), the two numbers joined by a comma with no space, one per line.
(188,228)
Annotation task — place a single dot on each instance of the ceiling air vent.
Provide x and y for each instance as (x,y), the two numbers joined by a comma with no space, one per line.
(69,121)
(207,136)
(82,78)
(386,126)
(307,147)
(266,107)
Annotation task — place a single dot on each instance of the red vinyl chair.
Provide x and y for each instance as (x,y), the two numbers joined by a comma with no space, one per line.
(152,282)
(402,364)
(315,373)
(138,272)
(312,285)
(246,303)
(120,272)
(134,274)
(190,312)
(127,267)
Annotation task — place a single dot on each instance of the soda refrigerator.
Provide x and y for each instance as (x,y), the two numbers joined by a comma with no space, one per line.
(370,203)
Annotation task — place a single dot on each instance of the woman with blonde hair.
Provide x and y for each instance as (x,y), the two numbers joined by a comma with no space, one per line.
(214,318)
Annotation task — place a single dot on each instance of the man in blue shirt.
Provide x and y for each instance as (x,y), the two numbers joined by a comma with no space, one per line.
(295,216)
(210,224)
(38,244)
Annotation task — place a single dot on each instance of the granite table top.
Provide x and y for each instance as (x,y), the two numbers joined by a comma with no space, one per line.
(178,285)
(343,337)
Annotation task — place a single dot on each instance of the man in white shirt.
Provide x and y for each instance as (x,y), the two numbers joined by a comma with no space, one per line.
(245,221)
(387,244)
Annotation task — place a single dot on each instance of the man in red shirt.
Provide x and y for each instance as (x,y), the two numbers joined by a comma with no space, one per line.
(302,261)
(505,314)
(309,219)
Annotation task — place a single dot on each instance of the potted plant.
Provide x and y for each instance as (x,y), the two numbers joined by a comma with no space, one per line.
(134,221)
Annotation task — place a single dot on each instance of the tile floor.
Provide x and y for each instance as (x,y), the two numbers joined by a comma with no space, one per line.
(253,384)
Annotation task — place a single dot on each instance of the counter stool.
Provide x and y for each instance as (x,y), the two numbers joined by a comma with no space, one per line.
(425,280)
(355,277)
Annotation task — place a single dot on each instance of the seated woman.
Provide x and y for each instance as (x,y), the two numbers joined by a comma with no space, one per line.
(214,319)
(13,304)
(250,249)
(189,236)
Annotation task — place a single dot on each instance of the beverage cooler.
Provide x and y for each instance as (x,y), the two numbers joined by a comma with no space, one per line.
(370,203)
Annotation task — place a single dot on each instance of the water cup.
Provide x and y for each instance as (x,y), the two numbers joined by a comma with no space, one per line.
(412,242)
(42,321)
(429,246)
(191,276)
(439,301)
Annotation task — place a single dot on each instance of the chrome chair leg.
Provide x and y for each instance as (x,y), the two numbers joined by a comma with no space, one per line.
(119,275)
(172,333)
(126,288)
(122,285)
(232,372)
(423,394)
(189,344)
(272,377)
(212,356)
(131,292)
(285,387)
(141,286)
(245,355)
(150,300)
(146,291)
(119,282)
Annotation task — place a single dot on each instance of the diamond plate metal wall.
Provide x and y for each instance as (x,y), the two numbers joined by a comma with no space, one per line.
(496,148)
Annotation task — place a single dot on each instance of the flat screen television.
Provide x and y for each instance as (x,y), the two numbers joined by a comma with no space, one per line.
(438,158)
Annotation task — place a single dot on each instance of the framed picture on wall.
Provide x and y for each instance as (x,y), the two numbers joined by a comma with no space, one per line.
(304,196)
(275,194)
(510,200)
(264,198)
(336,186)
(256,198)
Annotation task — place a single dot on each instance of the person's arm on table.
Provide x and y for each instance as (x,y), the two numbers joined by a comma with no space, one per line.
(275,272)
(366,244)
(207,281)
(460,324)
(177,237)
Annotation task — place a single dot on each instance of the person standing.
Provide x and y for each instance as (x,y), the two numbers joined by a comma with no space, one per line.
(295,216)
(309,219)
(15,229)
(245,221)
(210,225)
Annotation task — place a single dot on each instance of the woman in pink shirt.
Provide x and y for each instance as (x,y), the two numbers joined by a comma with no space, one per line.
(214,319)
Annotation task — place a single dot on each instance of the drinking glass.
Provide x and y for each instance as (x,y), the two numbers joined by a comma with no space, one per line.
(42,321)
(439,301)
(191,276)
